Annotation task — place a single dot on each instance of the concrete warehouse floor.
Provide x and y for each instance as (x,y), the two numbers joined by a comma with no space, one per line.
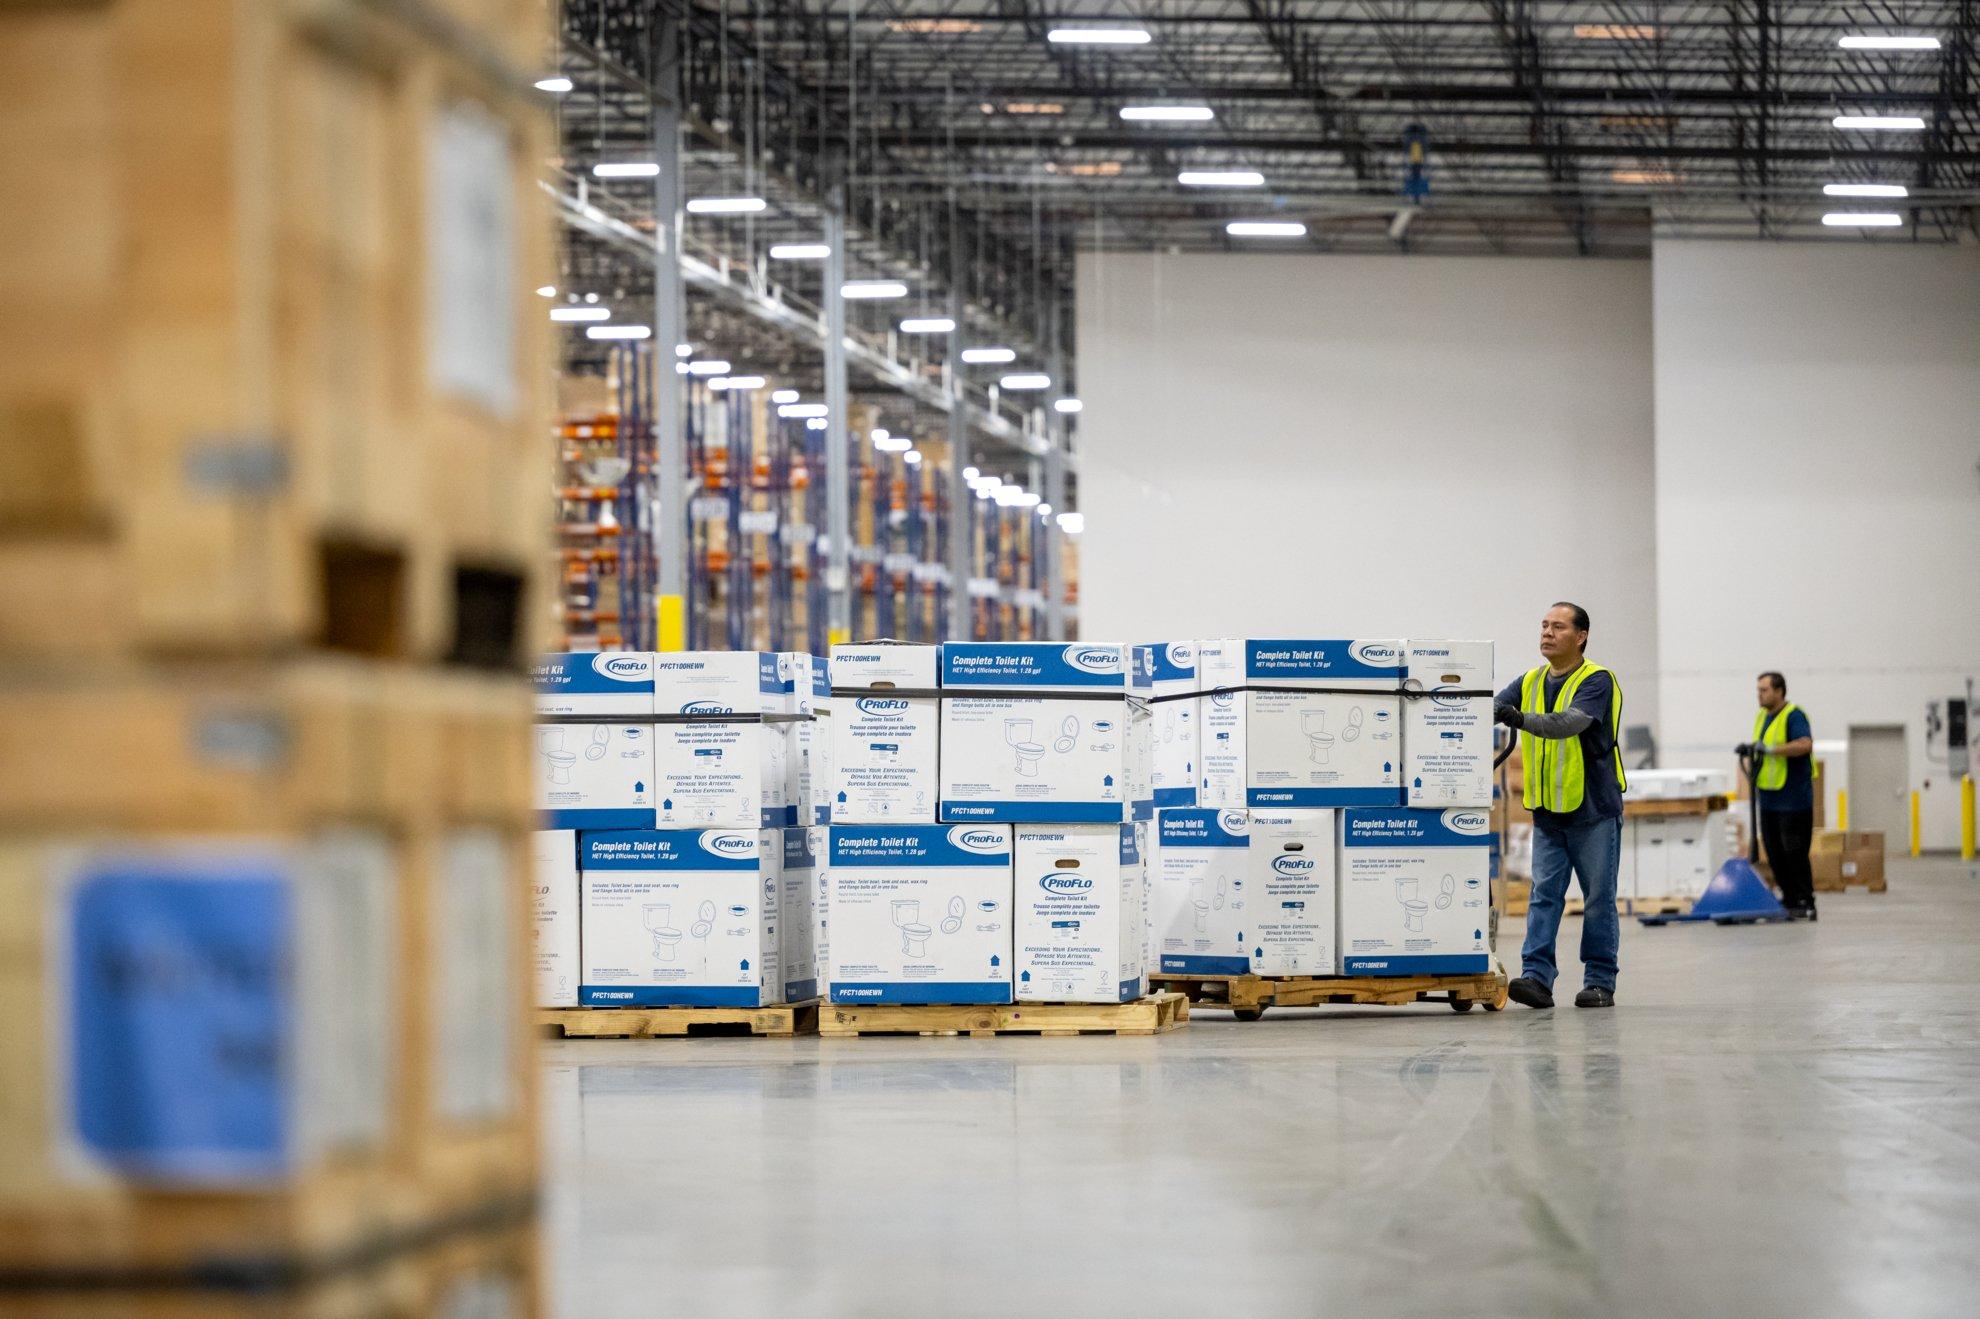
(1774,1121)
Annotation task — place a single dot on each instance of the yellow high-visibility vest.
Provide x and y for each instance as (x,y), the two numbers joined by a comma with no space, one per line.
(1556,778)
(1772,732)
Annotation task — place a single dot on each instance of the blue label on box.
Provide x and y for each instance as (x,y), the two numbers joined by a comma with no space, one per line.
(1452,827)
(1269,662)
(925,991)
(1041,812)
(181,1016)
(918,845)
(670,996)
(1202,826)
(668,849)
(1314,798)
(1033,664)
(592,673)
(1427,964)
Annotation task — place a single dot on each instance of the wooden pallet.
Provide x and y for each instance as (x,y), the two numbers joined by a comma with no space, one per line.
(1637,906)
(1514,895)
(1247,996)
(1665,807)
(1156,1014)
(779,1021)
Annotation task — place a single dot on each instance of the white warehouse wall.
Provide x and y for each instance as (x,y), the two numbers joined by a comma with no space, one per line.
(1817,494)
(1378,445)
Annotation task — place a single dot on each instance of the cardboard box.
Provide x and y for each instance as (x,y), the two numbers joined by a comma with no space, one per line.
(816,840)
(1291,897)
(1447,739)
(609,684)
(680,918)
(594,776)
(554,888)
(885,762)
(1415,892)
(808,755)
(721,774)
(1077,937)
(1197,891)
(1175,695)
(1326,732)
(797,916)
(1068,754)
(919,913)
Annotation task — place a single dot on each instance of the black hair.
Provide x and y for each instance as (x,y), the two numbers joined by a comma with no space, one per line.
(1780,682)
(1580,614)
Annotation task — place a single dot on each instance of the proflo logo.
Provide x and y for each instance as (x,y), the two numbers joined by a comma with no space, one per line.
(707,708)
(1181,655)
(983,842)
(1062,884)
(729,844)
(881,704)
(1094,659)
(1374,652)
(1293,866)
(622,666)
(1465,822)
(1232,822)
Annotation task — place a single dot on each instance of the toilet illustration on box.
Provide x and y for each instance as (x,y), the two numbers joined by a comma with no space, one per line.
(550,741)
(1319,742)
(1415,907)
(914,935)
(953,921)
(657,918)
(1205,902)
(600,736)
(1017,732)
(1353,730)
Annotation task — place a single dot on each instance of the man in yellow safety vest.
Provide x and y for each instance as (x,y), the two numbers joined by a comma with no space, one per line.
(1784,782)
(1568,712)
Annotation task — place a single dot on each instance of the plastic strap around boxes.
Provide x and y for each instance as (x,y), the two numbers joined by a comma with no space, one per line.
(987,693)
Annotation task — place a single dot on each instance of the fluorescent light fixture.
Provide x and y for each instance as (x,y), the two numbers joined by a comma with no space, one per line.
(1862,219)
(1867,121)
(558,86)
(1071,522)
(684,350)
(580,313)
(873,288)
(1867,42)
(1168,114)
(547,291)
(893,444)
(815,424)
(988,356)
(1069,405)
(1265,229)
(982,493)
(1044,510)
(912,457)
(625,169)
(726,205)
(1221,178)
(927,325)
(879,433)
(784,396)
(1865,190)
(1025,381)
(711,368)
(739,383)
(970,474)
(800,251)
(1098,36)
(619,332)
(802,410)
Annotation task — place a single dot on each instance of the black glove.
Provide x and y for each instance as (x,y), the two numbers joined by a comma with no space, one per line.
(1509,715)
(1744,751)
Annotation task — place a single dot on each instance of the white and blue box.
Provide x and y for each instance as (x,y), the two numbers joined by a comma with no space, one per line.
(808,768)
(681,918)
(594,776)
(1079,933)
(1174,695)
(606,684)
(1416,891)
(885,734)
(919,913)
(1291,871)
(1199,880)
(720,748)
(1301,723)
(1447,723)
(797,916)
(554,911)
(1053,736)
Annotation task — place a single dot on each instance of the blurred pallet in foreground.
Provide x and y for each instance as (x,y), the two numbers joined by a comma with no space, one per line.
(272,367)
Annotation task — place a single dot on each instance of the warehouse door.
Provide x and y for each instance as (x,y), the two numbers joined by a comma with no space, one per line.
(1879,781)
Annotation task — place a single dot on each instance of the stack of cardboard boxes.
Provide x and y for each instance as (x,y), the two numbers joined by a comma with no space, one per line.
(1844,857)
(676,794)
(273,483)
(1340,822)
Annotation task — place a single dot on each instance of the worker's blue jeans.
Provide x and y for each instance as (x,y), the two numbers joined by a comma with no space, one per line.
(1591,851)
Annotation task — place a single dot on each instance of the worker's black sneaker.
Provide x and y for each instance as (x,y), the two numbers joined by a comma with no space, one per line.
(1595,996)
(1531,992)
(1801,913)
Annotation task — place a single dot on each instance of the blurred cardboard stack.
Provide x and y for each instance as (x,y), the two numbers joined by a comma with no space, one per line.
(273,491)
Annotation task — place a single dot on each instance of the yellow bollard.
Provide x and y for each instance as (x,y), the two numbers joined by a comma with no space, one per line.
(1966,817)
(839,636)
(1842,809)
(1914,822)
(670,623)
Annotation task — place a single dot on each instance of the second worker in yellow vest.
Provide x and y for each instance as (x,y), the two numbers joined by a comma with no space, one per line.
(1568,711)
